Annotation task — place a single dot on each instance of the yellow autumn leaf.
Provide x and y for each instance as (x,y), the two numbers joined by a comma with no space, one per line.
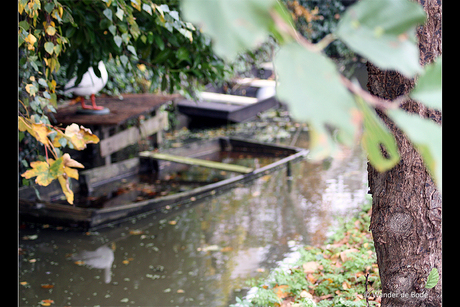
(69,162)
(39,131)
(57,137)
(66,189)
(136,4)
(30,40)
(45,172)
(20,7)
(50,30)
(80,136)
(31,89)
(281,291)
(39,169)
(52,84)
(61,169)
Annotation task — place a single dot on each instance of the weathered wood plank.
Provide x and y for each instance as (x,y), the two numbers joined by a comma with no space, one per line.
(225,98)
(131,135)
(131,106)
(255,82)
(199,162)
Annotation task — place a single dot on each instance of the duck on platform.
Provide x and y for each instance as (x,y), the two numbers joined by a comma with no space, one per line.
(89,85)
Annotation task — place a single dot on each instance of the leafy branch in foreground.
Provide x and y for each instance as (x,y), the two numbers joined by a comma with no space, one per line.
(60,168)
(309,82)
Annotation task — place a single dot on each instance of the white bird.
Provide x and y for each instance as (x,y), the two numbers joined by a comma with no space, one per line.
(101,258)
(90,84)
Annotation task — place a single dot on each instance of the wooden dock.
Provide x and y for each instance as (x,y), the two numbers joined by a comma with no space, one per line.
(109,127)
(121,110)
(215,106)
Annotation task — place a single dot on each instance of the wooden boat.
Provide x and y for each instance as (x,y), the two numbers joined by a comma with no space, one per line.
(115,193)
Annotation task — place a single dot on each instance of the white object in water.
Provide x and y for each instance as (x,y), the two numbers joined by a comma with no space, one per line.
(101,258)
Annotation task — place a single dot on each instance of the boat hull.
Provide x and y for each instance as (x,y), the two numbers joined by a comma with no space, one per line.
(47,212)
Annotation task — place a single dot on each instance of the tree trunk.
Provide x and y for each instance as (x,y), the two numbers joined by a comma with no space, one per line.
(406,206)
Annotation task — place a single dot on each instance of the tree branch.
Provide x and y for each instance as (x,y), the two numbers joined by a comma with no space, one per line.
(374,100)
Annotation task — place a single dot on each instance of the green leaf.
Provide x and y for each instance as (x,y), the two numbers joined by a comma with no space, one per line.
(119,13)
(118,40)
(131,49)
(182,54)
(310,84)
(234,25)
(384,32)
(432,279)
(108,13)
(428,89)
(49,47)
(159,42)
(113,29)
(426,136)
(49,7)
(124,60)
(375,136)
(147,8)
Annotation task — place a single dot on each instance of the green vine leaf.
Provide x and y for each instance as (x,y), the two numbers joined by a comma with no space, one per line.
(428,89)
(432,279)
(376,137)
(322,100)
(384,32)
(426,136)
(234,26)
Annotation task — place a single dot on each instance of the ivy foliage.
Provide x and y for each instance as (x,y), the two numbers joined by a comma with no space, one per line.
(140,32)
(139,40)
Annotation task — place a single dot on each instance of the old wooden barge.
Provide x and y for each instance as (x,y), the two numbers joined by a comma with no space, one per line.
(104,201)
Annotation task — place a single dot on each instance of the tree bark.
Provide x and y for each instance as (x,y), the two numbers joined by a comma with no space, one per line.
(406,206)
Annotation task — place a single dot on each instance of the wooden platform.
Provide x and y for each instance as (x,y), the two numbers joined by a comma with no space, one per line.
(131,106)
(204,110)
(109,127)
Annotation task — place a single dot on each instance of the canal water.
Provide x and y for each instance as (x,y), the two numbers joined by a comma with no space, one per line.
(196,256)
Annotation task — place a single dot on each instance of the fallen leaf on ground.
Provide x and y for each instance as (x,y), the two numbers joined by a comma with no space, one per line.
(31,237)
(343,255)
(47,286)
(135,232)
(311,278)
(46,302)
(310,267)
(280,291)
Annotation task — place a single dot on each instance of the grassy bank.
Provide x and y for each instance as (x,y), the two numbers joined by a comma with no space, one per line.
(333,274)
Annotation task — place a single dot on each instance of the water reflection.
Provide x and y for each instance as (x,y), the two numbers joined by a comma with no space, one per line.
(101,258)
(195,256)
